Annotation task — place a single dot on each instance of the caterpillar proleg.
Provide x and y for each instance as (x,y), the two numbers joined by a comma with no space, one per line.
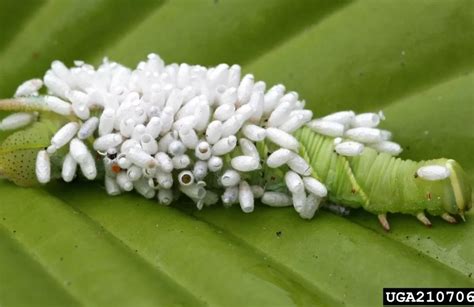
(210,134)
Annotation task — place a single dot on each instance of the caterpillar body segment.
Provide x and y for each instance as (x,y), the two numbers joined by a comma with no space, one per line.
(381,183)
(19,150)
(210,134)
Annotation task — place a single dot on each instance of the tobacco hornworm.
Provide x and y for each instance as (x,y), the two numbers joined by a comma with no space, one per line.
(165,130)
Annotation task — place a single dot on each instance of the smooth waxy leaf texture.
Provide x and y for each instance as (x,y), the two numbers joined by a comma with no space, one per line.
(71,244)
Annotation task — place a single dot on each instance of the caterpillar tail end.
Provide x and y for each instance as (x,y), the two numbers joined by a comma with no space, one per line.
(447,197)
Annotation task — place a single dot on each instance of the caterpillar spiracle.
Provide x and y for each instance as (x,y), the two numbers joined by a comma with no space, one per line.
(216,137)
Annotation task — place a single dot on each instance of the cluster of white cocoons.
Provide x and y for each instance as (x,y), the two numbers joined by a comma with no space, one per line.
(352,132)
(163,129)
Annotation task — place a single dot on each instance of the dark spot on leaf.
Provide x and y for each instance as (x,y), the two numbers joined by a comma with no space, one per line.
(278,233)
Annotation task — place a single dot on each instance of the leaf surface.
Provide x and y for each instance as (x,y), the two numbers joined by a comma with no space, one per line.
(71,244)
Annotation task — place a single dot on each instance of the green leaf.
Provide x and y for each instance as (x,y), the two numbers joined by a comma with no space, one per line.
(71,244)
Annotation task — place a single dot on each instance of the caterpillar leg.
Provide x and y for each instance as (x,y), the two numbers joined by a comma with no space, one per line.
(423,219)
(383,221)
(449,218)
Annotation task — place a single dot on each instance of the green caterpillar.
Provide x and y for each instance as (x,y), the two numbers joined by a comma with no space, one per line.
(377,182)
(215,137)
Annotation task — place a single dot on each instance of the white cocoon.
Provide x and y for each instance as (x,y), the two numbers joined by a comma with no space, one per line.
(79,151)
(246,199)
(69,168)
(369,120)
(254,132)
(58,105)
(349,148)
(282,139)
(17,120)
(342,117)
(248,148)
(245,163)
(43,167)
(364,135)
(276,199)
(29,87)
(299,165)
(326,127)
(106,122)
(88,128)
(315,187)
(213,132)
(230,178)
(141,158)
(165,196)
(279,157)
(214,163)
(224,146)
(433,172)
(293,182)
(111,186)
(108,141)
(391,148)
(124,181)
